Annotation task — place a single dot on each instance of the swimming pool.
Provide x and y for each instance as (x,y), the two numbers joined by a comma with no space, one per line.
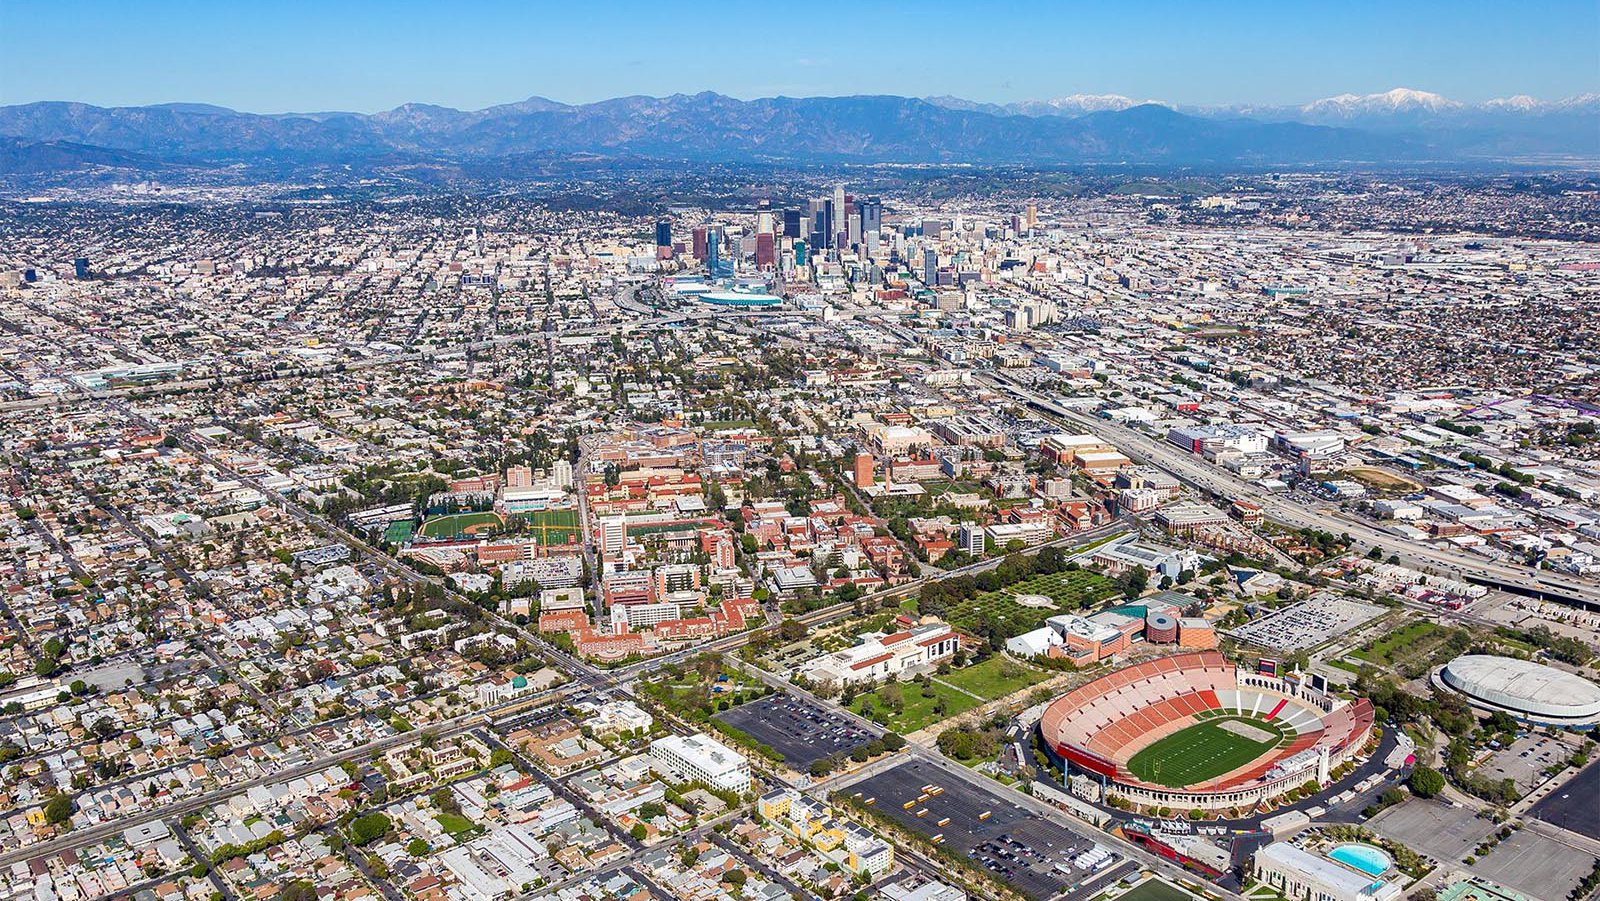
(1367,859)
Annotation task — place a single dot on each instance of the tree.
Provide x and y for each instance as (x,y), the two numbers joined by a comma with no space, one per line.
(1426,782)
(417,847)
(369,828)
(734,878)
(639,832)
(58,811)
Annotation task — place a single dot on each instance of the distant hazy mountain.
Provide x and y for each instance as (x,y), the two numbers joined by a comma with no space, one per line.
(1071,105)
(1510,127)
(18,157)
(707,126)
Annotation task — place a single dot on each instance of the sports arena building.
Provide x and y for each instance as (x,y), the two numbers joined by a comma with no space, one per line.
(1216,735)
(1531,692)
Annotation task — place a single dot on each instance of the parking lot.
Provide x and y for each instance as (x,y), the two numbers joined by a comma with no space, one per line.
(1525,761)
(1572,805)
(1319,618)
(796,728)
(1434,828)
(1535,865)
(1018,847)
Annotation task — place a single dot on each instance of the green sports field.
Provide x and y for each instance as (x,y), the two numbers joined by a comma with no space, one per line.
(552,526)
(1203,751)
(461,525)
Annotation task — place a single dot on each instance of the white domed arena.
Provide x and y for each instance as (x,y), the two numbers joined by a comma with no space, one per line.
(1531,692)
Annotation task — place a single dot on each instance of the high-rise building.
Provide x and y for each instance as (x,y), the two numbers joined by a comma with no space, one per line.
(871,215)
(699,233)
(791,224)
(663,233)
(863,470)
(561,473)
(835,222)
(1032,216)
(766,254)
(613,536)
(80,267)
(930,267)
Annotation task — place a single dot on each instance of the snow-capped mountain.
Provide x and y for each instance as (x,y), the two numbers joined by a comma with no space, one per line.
(1520,103)
(1071,105)
(1397,101)
(1079,104)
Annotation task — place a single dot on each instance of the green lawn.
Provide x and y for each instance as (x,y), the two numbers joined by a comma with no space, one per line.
(1155,890)
(1382,650)
(918,711)
(456,525)
(1071,591)
(1201,752)
(454,824)
(987,680)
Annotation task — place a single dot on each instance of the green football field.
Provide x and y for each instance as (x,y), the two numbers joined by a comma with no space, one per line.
(1201,752)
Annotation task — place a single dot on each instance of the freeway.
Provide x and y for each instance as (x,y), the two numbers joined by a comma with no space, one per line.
(1212,479)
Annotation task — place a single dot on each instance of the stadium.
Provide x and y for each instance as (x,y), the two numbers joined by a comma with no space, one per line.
(1195,731)
(1530,691)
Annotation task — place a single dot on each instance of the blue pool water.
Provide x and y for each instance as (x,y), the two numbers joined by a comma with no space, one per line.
(1365,858)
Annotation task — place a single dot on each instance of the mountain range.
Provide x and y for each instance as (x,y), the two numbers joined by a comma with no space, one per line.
(1397,127)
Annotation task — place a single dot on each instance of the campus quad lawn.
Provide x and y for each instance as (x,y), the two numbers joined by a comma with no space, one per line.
(1201,752)
(918,712)
(1071,591)
(984,679)
(456,524)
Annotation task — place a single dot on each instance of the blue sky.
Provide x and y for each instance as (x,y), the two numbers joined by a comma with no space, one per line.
(281,55)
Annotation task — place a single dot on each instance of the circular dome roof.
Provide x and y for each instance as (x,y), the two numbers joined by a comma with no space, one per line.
(1523,686)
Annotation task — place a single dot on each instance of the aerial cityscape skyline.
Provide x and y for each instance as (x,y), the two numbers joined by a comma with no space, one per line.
(991,473)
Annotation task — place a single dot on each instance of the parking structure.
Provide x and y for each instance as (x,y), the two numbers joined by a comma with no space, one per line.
(803,732)
(1016,846)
